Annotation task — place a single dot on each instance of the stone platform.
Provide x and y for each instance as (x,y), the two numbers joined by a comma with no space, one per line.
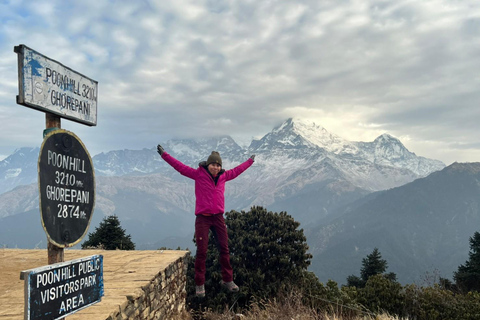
(126,273)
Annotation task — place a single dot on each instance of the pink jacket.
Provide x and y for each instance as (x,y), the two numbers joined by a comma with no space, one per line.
(210,198)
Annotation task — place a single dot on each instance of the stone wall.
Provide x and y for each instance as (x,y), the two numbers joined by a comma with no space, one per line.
(162,298)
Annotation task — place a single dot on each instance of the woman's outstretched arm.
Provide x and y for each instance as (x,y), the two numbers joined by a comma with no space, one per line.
(235,172)
(177,165)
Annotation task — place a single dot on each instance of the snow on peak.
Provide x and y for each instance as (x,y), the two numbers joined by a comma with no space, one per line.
(296,132)
(387,138)
(318,135)
(13,173)
(389,146)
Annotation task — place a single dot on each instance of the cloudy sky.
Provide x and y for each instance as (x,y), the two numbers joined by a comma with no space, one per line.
(181,69)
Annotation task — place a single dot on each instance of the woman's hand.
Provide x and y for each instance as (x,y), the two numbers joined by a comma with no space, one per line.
(160,149)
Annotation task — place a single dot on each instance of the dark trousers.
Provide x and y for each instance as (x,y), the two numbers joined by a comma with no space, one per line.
(202,225)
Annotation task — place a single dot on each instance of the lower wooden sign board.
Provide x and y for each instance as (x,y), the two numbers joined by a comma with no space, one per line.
(60,289)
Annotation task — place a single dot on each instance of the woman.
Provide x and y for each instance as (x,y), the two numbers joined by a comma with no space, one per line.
(210,181)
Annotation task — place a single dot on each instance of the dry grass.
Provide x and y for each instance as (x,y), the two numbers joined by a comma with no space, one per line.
(289,308)
(280,314)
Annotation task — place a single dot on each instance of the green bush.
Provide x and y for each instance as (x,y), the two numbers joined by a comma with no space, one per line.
(437,303)
(268,254)
(381,294)
(270,259)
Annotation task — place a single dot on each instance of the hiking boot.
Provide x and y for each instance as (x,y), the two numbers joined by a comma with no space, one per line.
(230,286)
(200,291)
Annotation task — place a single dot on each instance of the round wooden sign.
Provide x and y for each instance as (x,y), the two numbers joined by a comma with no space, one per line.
(67,188)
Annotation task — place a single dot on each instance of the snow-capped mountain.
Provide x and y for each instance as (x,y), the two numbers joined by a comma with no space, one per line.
(389,151)
(20,168)
(126,162)
(382,164)
(292,146)
(384,150)
(147,161)
(299,167)
(296,133)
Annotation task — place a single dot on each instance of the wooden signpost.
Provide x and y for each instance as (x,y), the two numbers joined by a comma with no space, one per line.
(66,182)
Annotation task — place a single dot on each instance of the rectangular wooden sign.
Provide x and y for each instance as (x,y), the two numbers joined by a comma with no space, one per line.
(47,85)
(60,289)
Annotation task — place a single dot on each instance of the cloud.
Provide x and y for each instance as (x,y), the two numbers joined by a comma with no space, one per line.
(196,68)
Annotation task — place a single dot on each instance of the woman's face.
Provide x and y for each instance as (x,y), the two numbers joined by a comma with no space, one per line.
(214,168)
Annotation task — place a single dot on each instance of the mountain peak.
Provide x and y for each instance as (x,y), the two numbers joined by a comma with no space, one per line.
(296,132)
(19,154)
(387,138)
(19,168)
(299,125)
(388,148)
(469,167)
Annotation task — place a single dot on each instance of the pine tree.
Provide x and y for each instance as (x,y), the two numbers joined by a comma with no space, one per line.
(109,235)
(372,265)
(468,275)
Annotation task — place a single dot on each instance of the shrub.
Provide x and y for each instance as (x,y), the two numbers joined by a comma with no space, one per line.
(381,294)
(269,257)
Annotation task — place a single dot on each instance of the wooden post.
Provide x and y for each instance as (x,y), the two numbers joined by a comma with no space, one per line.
(55,254)
(52,121)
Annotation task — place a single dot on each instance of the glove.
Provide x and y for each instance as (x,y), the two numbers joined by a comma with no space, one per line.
(252,157)
(160,149)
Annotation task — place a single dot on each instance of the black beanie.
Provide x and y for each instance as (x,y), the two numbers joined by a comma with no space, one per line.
(214,158)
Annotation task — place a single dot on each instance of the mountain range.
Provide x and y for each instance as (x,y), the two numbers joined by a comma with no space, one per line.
(300,167)
(423,226)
